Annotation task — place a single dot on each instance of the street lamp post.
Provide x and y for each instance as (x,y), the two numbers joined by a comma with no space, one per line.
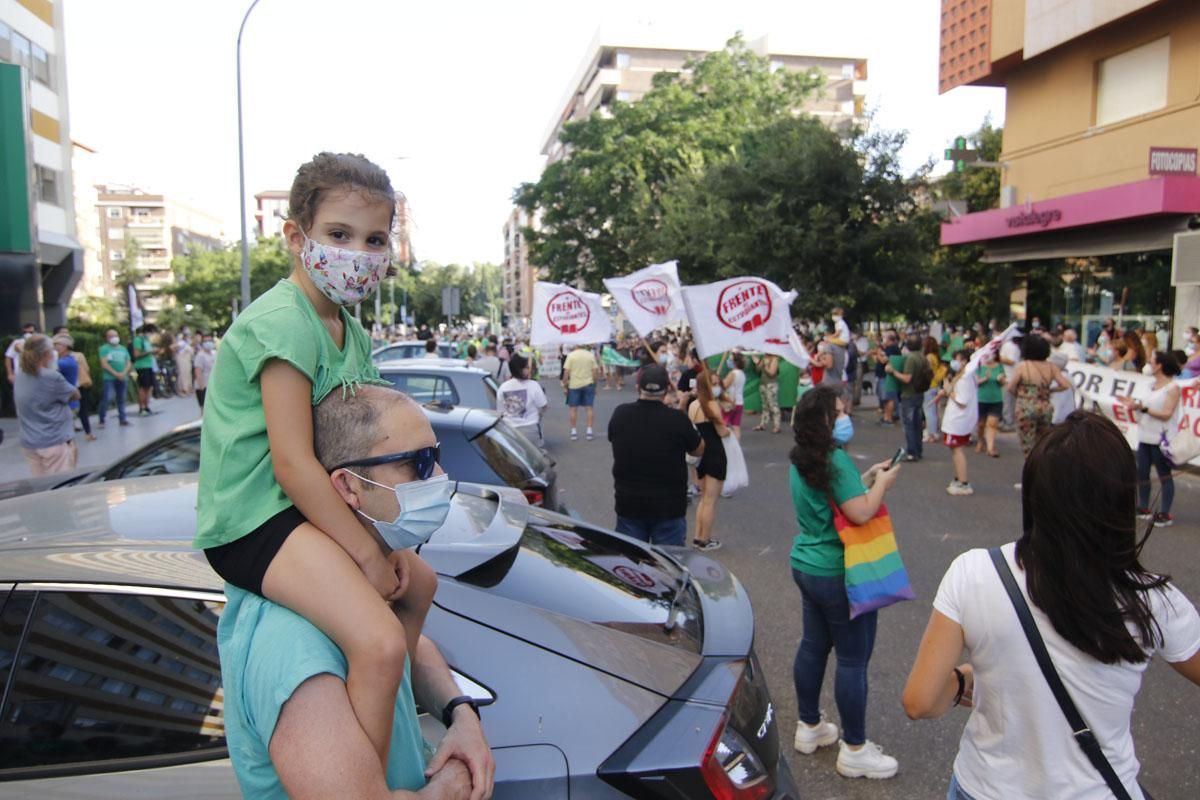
(242,165)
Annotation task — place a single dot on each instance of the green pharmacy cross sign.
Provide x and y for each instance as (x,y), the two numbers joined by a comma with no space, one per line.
(960,155)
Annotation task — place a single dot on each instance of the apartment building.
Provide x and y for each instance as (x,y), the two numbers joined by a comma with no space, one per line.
(40,259)
(162,229)
(619,67)
(518,273)
(1098,170)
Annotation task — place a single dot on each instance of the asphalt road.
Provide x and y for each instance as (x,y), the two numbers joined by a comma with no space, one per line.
(757,527)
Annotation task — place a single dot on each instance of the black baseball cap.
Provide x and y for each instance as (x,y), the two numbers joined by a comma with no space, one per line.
(653,379)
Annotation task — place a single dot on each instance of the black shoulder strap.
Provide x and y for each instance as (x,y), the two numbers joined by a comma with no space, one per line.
(1082,733)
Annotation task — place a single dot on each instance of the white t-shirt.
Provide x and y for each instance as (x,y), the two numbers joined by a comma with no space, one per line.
(1150,429)
(521,402)
(960,420)
(737,387)
(1012,351)
(1017,744)
(1072,350)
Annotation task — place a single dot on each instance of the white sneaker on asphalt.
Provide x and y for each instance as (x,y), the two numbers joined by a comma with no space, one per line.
(809,739)
(866,762)
(959,489)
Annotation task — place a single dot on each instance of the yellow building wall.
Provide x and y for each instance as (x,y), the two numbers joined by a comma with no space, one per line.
(1050,142)
(1008,28)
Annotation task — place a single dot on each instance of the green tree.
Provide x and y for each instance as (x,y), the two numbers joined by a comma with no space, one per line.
(600,205)
(209,280)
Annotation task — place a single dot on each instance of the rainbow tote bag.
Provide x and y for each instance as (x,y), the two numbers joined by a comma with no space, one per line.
(875,575)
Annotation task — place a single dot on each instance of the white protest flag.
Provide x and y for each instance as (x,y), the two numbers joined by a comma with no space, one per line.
(992,347)
(751,313)
(650,297)
(1104,387)
(565,315)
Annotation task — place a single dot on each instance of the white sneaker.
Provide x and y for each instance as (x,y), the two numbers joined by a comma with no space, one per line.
(866,762)
(809,739)
(959,489)
(574,435)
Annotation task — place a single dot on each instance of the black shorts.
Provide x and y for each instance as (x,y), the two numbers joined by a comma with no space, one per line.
(145,378)
(991,410)
(243,562)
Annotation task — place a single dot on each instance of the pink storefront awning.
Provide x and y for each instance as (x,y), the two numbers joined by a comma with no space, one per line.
(1155,197)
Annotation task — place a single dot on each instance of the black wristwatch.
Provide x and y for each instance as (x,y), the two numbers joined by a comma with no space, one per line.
(461,700)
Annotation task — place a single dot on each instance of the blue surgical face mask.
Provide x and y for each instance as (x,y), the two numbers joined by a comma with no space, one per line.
(843,430)
(424,506)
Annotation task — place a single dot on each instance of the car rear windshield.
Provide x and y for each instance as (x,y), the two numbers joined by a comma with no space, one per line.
(598,577)
(510,455)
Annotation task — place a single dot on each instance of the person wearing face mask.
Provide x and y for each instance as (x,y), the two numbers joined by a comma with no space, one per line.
(12,356)
(202,366)
(268,519)
(43,397)
(821,474)
(960,392)
(1156,413)
(288,715)
(116,367)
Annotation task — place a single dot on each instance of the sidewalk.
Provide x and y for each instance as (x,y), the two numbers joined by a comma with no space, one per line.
(111,443)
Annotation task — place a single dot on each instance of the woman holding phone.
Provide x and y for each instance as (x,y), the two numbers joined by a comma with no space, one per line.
(822,473)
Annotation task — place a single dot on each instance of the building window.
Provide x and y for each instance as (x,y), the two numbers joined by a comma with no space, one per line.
(41,65)
(20,50)
(623,96)
(116,255)
(5,42)
(622,60)
(47,184)
(1133,82)
(114,212)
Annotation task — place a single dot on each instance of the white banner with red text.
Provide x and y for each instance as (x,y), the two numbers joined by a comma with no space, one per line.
(649,298)
(750,313)
(1104,387)
(565,315)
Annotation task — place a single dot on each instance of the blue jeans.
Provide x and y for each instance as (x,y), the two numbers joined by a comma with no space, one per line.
(827,626)
(957,792)
(910,414)
(1150,455)
(930,407)
(107,388)
(655,530)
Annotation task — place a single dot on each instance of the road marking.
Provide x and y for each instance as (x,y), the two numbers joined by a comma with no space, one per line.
(945,536)
(765,550)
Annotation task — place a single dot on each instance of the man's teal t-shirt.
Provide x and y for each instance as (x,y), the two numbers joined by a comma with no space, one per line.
(266,652)
(817,550)
(117,357)
(143,344)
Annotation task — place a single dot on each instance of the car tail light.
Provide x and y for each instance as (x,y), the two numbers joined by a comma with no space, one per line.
(731,768)
(536,497)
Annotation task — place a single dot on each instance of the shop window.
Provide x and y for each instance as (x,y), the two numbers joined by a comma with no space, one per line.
(1133,82)
(82,691)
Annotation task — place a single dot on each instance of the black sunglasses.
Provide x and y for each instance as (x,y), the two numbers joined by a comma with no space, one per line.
(423,459)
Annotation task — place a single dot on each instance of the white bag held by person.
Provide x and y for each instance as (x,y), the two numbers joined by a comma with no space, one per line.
(736,475)
(1180,447)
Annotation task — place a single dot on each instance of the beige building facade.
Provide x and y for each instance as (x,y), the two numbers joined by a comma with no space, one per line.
(519,275)
(1102,126)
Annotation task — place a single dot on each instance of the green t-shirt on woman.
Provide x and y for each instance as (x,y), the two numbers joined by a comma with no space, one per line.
(238,491)
(990,391)
(817,550)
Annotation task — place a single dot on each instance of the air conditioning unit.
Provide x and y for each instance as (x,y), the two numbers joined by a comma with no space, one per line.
(1185,260)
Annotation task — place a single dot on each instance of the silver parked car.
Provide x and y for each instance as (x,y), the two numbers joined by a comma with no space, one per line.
(610,669)
(441,381)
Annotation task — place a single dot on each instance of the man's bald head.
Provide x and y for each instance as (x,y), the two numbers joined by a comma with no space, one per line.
(351,425)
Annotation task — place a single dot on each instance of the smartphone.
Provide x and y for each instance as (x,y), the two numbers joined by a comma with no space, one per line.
(896,458)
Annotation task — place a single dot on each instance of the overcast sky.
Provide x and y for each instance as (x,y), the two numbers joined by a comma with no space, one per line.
(451,98)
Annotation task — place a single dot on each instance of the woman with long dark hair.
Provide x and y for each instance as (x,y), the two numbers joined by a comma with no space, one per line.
(705,414)
(1154,417)
(822,473)
(1101,613)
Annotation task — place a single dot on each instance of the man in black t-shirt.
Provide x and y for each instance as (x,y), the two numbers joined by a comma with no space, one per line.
(649,442)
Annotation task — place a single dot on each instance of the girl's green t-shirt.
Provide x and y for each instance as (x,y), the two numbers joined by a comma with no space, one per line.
(990,391)
(238,491)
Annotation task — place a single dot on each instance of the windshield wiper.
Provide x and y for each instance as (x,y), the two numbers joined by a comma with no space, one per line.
(684,581)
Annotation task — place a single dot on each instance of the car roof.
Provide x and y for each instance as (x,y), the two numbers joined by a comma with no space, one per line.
(428,365)
(128,531)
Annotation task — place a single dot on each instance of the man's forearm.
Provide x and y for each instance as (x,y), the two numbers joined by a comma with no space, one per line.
(432,683)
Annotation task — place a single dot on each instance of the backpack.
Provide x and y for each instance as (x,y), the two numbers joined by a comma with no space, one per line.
(923,377)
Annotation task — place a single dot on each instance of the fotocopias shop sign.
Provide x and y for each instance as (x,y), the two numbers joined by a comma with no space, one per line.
(1172,161)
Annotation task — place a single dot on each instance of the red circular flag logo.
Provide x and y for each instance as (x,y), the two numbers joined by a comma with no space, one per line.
(653,295)
(568,313)
(745,305)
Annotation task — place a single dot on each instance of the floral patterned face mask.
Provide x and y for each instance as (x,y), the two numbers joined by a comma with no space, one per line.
(344,276)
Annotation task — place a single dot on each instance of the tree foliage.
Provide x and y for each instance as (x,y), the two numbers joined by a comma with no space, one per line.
(209,280)
(600,206)
(480,290)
